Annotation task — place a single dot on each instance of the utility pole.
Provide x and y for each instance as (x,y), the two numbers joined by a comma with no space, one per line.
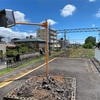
(65,40)
(65,43)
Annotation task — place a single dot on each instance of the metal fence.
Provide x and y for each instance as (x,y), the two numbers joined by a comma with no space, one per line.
(97,54)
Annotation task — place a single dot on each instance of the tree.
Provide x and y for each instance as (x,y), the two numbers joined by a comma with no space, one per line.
(90,42)
(11,52)
(21,48)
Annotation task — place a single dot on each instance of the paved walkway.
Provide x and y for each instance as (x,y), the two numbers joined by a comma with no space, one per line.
(87,76)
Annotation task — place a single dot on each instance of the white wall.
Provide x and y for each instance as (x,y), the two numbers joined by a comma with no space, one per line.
(3,47)
(97,54)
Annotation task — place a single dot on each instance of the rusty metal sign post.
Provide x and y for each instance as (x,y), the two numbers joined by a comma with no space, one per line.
(44,24)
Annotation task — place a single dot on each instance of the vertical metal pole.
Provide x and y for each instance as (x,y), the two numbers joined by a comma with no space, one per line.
(64,39)
(47,72)
(65,43)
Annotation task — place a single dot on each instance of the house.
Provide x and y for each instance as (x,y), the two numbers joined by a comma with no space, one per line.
(35,42)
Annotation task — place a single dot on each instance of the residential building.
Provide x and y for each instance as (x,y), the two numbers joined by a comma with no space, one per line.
(52,37)
(35,42)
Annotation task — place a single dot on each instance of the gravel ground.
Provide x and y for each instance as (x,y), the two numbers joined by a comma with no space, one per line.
(87,76)
(45,88)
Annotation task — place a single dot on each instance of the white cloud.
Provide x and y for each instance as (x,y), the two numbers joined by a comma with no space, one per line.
(51,22)
(92,0)
(68,10)
(20,16)
(98,13)
(8,33)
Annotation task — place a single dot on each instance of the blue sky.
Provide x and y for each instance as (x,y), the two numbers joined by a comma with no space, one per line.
(61,14)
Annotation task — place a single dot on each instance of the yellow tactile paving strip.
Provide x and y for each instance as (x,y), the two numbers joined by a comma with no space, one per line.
(10,80)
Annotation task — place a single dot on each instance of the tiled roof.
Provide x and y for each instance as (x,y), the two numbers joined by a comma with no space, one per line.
(10,45)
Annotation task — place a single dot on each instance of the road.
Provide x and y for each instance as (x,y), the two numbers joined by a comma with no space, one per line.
(87,76)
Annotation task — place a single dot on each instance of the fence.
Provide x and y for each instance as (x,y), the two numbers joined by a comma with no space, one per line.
(97,54)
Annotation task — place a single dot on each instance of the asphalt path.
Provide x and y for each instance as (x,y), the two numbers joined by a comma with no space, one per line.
(87,77)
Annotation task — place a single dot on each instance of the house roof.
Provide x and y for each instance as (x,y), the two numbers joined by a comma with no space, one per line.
(1,37)
(10,45)
(30,40)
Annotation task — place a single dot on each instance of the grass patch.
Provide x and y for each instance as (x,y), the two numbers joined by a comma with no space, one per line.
(4,71)
(81,53)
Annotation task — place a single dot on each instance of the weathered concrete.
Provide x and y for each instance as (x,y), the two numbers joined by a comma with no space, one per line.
(87,76)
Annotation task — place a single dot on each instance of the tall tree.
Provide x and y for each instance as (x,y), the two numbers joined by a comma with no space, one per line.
(90,42)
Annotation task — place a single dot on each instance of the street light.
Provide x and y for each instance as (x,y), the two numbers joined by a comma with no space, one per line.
(7,19)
